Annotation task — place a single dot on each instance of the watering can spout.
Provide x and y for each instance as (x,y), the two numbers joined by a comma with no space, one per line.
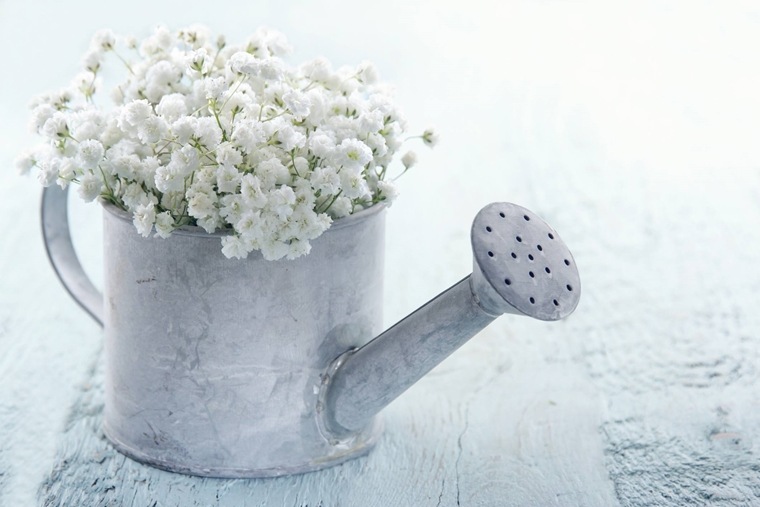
(520,266)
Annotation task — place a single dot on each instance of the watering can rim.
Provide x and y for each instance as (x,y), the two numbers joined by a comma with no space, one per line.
(194,230)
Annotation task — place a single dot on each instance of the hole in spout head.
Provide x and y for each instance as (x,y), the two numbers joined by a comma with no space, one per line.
(508,281)
(556,303)
(489,228)
(519,239)
(526,217)
(532,301)
(532,275)
(514,255)
(569,287)
(567,262)
(490,254)
(530,256)
(548,271)
(502,215)
(540,248)
(551,236)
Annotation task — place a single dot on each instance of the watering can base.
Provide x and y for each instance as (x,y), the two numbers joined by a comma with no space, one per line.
(334,455)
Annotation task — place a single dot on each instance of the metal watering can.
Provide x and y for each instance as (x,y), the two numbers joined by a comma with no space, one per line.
(253,368)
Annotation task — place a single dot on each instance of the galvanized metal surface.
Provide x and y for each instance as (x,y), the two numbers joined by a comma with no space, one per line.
(511,274)
(247,368)
(214,365)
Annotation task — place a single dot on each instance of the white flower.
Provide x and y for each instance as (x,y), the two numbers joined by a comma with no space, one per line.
(89,124)
(172,107)
(325,180)
(272,172)
(353,184)
(152,130)
(234,247)
(199,62)
(133,114)
(297,102)
(367,73)
(318,70)
(341,207)
(143,218)
(56,126)
(352,153)
(184,128)
(66,173)
(321,144)
(201,204)
(40,115)
(227,178)
(208,132)
(168,178)
(93,59)
(387,190)
(409,159)
(90,187)
(25,162)
(273,249)
(301,165)
(297,248)
(248,135)
(281,202)
(232,207)
(371,121)
(160,42)
(249,225)
(134,196)
(48,171)
(250,190)
(164,224)
(223,135)
(430,137)
(210,222)
(90,153)
(214,87)
(290,138)
(103,40)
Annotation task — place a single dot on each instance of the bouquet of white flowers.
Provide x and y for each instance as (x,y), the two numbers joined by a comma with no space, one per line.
(223,137)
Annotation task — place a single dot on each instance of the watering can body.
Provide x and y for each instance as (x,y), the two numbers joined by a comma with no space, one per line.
(214,365)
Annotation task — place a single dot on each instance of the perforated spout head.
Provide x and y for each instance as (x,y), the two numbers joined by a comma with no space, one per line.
(521,265)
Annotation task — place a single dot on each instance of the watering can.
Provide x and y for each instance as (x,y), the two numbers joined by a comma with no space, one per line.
(253,368)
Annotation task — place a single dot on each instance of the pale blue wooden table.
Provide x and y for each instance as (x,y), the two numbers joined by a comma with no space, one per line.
(633,129)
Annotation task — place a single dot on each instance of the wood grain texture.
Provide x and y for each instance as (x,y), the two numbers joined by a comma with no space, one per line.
(448,444)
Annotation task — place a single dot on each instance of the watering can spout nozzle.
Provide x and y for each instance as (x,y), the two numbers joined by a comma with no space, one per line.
(520,266)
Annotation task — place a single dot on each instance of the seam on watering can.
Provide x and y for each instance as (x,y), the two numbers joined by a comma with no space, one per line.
(329,428)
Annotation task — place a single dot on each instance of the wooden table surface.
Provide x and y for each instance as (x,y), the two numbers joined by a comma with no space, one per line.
(633,129)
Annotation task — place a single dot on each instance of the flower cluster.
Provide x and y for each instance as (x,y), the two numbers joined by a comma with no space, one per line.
(223,137)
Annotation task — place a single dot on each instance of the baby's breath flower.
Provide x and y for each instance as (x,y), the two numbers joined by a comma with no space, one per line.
(235,247)
(144,217)
(90,187)
(409,159)
(352,153)
(430,137)
(90,153)
(223,136)
(103,40)
(164,224)
(25,162)
(388,190)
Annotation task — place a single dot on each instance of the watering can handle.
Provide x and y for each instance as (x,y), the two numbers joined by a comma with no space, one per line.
(60,251)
